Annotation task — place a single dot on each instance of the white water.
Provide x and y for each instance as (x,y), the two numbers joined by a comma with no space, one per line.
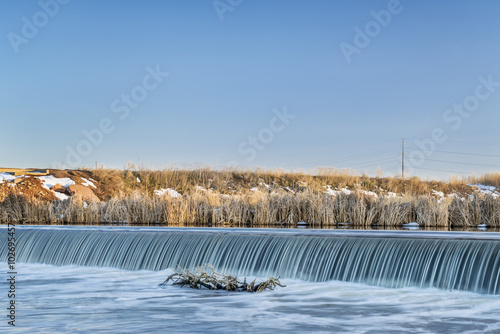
(108,300)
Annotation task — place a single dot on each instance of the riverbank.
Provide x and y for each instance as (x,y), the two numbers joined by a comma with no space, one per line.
(206,197)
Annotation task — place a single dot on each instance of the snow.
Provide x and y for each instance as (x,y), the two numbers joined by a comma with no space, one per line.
(437,193)
(61,196)
(487,190)
(264,185)
(330,191)
(87,183)
(369,193)
(261,184)
(168,191)
(7,177)
(335,192)
(483,187)
(49,181)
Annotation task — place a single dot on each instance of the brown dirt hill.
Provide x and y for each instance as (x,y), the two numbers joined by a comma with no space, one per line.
(77,175)
(32,187)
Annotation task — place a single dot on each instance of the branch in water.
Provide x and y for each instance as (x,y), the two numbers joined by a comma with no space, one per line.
(206,277)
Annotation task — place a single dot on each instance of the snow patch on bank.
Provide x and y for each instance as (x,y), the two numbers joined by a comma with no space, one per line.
(334,192)
(87,183)
(263,184)
(169,191)
(438,193)
(61,196)
(330,191)
(7,177)
(487,190)
(49,181)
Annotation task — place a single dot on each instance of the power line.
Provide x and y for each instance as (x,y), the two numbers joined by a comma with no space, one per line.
(442,170)
(368,164)
(351,146)
(472,143)
(348,158)
(463,163)
(464,142)
(463,153)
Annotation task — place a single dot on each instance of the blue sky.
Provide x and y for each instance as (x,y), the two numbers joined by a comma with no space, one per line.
(228,79)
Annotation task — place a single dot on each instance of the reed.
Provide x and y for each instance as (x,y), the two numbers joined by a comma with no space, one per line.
(489,179)
(258,208)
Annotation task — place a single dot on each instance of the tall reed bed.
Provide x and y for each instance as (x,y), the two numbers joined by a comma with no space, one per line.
(259,208)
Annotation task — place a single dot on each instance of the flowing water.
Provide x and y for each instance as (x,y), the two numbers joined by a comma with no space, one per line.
(105,280)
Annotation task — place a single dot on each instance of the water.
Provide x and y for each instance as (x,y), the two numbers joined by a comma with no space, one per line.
(337,281)
(459,260)
(107,300)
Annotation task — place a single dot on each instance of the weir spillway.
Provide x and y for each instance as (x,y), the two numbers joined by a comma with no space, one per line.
(445,260)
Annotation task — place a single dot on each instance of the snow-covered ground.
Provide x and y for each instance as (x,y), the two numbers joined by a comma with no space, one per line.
(168,191)
(335,192)
(61,196)
(87,183)
(49,181)
(488,190)
(7,177)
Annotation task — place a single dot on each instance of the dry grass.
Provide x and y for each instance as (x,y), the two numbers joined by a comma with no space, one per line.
(113,182)
(283,199)
(258,208)
(488,179)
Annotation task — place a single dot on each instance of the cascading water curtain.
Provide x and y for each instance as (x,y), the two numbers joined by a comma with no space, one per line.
(472,265)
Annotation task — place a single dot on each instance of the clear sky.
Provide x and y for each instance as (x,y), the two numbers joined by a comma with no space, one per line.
(254,83)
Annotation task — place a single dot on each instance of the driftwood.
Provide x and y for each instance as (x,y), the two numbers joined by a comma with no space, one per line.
(206,277)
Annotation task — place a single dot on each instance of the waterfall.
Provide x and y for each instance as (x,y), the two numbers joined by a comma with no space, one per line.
(446,263)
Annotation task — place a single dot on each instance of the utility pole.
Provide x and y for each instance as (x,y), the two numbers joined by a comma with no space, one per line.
(403,159)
